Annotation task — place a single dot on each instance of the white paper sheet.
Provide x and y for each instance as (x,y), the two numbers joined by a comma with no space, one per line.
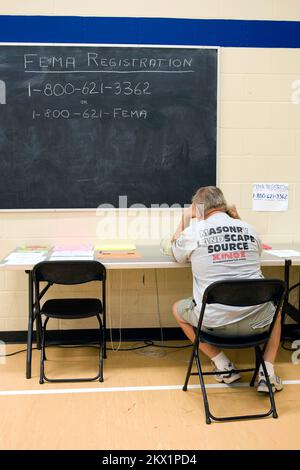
(273,197)
(284,253)
(24,258)
(72,253)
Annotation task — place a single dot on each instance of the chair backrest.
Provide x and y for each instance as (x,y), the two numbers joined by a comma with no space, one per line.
(245,292)
(69,272)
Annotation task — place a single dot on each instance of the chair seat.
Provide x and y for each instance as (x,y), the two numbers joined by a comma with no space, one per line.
(236,342)
(71,308)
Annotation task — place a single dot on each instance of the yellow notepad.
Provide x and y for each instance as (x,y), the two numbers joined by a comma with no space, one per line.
(115,245)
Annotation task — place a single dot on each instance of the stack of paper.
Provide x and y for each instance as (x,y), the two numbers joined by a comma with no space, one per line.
(27,255)
(25,258)
(74,253)
(116,249)
(113,246)
(33,248)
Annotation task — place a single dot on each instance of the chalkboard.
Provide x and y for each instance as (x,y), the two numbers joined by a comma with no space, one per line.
(82,125)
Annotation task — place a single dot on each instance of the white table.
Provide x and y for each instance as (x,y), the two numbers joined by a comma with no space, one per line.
(152,258)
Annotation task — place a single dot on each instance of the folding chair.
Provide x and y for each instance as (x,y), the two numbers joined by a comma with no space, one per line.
(70,273)
(237,293)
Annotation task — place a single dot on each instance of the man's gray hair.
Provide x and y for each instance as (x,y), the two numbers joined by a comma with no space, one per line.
(211,197)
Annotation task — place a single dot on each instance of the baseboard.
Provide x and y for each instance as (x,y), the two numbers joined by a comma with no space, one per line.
(127,334)
(86,336)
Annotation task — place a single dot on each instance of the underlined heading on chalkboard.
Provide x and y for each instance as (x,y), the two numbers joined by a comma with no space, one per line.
(92,62)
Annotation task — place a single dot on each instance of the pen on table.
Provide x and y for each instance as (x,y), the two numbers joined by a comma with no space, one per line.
(117,252)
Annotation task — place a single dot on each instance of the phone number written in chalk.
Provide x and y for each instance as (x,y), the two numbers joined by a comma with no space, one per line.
(125,88)
(115,113)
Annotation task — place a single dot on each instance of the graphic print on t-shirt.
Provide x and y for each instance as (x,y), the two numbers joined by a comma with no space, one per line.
(226,243)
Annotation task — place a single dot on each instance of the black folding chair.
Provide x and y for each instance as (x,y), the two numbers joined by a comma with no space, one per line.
(70,273)
(238,293)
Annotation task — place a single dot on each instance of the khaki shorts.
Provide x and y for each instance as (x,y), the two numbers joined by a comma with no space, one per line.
(186,311)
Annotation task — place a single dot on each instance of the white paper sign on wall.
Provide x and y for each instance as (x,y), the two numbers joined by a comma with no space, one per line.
(270,197)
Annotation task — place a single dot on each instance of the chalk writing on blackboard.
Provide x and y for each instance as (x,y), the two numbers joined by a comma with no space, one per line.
(93,61)
(81,125)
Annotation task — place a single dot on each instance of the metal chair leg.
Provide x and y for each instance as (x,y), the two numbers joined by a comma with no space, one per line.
(202,384)
(39,327)
(209,417)
(104,317)
(42,358)
(43,353)
(30,326)
(192,357)
(101,363)
(271,394)
(29,348)
(101,348)
(99,375)
(257,364)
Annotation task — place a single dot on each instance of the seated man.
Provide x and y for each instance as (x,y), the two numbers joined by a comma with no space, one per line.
(222,247)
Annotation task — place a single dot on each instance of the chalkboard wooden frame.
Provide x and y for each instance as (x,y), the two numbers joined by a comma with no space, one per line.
(122,47)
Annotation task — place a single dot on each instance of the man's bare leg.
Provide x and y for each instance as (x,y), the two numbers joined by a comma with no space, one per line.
(207,349)
(269,358)
(220,360)
(274,342)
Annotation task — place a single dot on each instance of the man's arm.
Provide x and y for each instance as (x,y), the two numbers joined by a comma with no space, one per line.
(184,240)
(186,217)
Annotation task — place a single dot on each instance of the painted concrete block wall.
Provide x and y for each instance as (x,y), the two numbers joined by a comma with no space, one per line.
(259,141)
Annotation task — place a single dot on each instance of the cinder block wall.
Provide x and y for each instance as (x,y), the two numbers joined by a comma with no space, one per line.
(259,141)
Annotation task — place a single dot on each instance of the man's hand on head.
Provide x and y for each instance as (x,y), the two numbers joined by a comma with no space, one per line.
(232,212)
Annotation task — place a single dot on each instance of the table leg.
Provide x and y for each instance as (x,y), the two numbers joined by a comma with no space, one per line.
(104,316)
(287,265)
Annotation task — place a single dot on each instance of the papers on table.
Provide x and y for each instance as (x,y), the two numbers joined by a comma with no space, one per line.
(117,255)
(33,248)
(31,255)
(25,258)
(71,248)
(72,253)
(284,253)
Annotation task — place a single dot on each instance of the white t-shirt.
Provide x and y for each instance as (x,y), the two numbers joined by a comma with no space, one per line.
(221,248)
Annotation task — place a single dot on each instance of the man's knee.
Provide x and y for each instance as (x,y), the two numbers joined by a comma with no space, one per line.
(177,317)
